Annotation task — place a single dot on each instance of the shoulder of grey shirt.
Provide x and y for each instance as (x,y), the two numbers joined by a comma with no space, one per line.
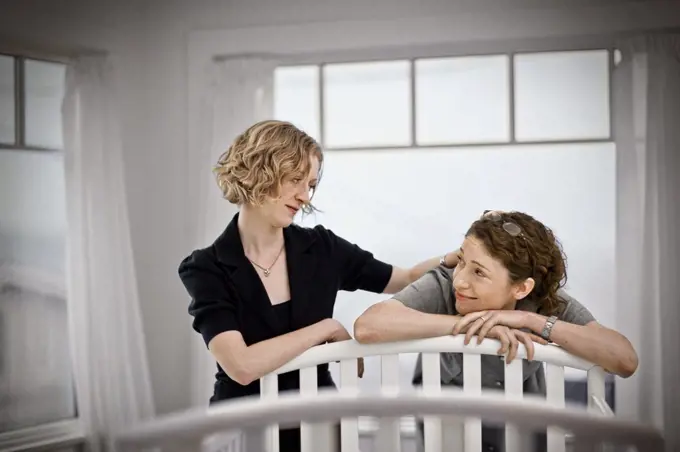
(431,293)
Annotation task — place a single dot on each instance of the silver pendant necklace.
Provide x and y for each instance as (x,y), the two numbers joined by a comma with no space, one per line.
(267,271)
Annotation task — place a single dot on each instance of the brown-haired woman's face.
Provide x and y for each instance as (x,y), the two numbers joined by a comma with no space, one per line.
(481,282)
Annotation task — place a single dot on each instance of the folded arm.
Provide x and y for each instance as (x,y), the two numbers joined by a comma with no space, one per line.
(390,321)
(418,311)
(592,342)
(245,364)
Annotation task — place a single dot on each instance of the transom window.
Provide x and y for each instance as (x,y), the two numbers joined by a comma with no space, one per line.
(521,98)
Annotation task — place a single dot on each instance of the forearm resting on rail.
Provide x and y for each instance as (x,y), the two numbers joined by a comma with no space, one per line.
(390,321)
(245,364)
(593,342)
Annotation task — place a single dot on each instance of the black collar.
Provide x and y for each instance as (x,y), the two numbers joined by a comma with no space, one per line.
(229,247)
(300,260)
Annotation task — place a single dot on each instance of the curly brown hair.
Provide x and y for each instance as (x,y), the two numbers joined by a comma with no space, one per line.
(260,159)
(534,253)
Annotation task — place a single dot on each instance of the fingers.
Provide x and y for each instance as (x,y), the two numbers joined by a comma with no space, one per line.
(473,329)
(463,323)
(514,343)
(537,339)
(489,322)
(502,334)
(486,324)
(528,343)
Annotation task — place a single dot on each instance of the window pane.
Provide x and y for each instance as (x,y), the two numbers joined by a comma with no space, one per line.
(296,97)
(462,100)
(562,95)
(36,383)
(367,104)
(7,103)
(44,94)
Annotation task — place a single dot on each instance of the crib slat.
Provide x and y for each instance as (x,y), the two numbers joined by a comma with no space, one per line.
(472,384)
(432,385)
(314,436)
(597,389)
(596,386)
(555,396)
(388,437)
(453,434)
(514,390)
(269,389)
(349,426)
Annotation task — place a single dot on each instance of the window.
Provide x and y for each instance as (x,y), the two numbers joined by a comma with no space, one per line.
(421,147)
(462,100)
(562,96)
(367,104)
(36,380)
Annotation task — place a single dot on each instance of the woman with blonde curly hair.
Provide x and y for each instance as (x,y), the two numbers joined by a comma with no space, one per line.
(507,285)
(264,291)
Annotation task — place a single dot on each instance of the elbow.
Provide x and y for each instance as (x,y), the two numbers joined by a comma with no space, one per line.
(364,332)
(628,365)
(629,362)
(366,329)
(242,376)
(238,371)
(625,361)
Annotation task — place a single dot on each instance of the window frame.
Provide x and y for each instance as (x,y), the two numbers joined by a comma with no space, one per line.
(320,61)
(66,433)
(20,102)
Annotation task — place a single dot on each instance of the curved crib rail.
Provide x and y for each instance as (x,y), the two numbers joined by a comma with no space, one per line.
(469,432)
(338,351)
(182,431)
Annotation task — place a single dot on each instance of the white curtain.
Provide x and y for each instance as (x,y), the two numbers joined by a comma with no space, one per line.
(109,350)
(238,92)
(647,129)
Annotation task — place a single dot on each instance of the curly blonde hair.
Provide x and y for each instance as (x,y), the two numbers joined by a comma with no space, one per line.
(260,159)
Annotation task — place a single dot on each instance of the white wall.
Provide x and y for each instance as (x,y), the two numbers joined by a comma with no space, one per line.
(151,41)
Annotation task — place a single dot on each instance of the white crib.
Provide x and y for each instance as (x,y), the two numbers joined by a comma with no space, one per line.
(452,417)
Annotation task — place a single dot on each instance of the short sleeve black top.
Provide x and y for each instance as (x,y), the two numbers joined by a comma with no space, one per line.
(227,293)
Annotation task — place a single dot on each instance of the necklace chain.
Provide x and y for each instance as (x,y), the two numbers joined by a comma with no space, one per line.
(267,271)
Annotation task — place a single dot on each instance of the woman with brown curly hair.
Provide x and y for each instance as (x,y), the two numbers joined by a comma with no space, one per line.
(507,285)
(264,291)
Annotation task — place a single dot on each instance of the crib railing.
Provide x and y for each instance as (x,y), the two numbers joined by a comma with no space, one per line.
(191,430)
(468,433)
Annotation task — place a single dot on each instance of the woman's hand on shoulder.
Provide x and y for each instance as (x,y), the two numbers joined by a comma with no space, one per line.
(450,259)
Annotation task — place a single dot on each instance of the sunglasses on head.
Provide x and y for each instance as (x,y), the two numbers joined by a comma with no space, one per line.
(508,226)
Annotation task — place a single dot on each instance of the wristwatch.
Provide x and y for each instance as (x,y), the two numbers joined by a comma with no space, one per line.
(547,328)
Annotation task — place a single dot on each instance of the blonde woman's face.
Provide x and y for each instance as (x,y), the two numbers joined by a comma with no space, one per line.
(294,195)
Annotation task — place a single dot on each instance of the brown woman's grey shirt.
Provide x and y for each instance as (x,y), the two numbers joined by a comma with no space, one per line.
(433,293)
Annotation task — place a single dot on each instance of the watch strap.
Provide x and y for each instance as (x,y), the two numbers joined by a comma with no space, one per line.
(547,328)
